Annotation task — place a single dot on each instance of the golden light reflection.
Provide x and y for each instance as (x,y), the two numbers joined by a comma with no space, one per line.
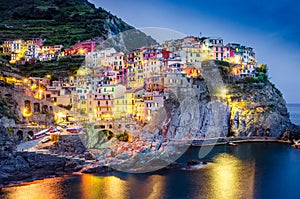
(230,179)
(158,186)
(40,189)
(103,187)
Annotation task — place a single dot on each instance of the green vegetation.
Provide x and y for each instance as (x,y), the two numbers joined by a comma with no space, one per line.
(123,137)
(262,73)
(62,68)
(58,21)
(108,134)
(61,22)
(222,63)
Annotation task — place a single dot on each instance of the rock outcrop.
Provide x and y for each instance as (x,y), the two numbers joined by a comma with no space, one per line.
(20,166)
(242,110)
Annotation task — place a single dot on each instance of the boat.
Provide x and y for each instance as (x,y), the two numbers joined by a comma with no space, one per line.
(39,134)
(194,165)
(74,128)
(45,140)
(53,130)
(232,144)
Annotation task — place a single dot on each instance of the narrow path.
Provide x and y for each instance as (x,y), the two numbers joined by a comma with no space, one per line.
(28,145)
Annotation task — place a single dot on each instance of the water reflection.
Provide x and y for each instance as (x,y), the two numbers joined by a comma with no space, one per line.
(41,189)
(246,171)
(151,187)
(231,178)
(103,187)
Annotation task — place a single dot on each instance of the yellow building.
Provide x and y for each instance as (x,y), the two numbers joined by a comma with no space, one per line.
(120,108)
(130,97)
(139,110)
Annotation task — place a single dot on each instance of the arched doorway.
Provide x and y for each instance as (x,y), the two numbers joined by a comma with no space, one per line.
(45,109)
(20,135)
(28,106)
(36,107)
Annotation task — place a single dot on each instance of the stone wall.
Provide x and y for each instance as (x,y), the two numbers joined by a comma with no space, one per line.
(69,145)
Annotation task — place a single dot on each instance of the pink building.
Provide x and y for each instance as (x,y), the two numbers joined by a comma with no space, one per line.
(149,54)
(81,48)
(220,52)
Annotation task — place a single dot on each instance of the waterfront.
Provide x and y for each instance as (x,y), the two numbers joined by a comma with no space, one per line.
(251,170)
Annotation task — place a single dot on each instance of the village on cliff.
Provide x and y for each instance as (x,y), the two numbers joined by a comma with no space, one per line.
(114,85)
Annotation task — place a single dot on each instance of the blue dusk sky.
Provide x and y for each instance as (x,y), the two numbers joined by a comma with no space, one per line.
(272,28)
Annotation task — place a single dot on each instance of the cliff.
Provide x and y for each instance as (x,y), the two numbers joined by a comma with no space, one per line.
(215,106)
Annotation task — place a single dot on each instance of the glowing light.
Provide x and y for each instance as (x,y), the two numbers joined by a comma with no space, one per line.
(59,116)
(223,92)
(226,181)
(149,118)
(48,76)
(26,112)
(81,51)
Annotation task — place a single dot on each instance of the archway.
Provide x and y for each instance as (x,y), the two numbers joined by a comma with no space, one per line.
(44,109)
(36,107)
(28,106)
(20,135)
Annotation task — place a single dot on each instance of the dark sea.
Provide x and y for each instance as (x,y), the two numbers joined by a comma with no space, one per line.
(250,170)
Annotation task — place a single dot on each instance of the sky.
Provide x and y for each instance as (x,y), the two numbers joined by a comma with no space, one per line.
(272,28)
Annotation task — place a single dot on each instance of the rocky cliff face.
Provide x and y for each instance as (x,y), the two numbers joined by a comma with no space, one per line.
(216,107)
(22,166)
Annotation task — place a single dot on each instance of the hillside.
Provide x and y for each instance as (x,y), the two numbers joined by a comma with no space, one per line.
(62,22)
